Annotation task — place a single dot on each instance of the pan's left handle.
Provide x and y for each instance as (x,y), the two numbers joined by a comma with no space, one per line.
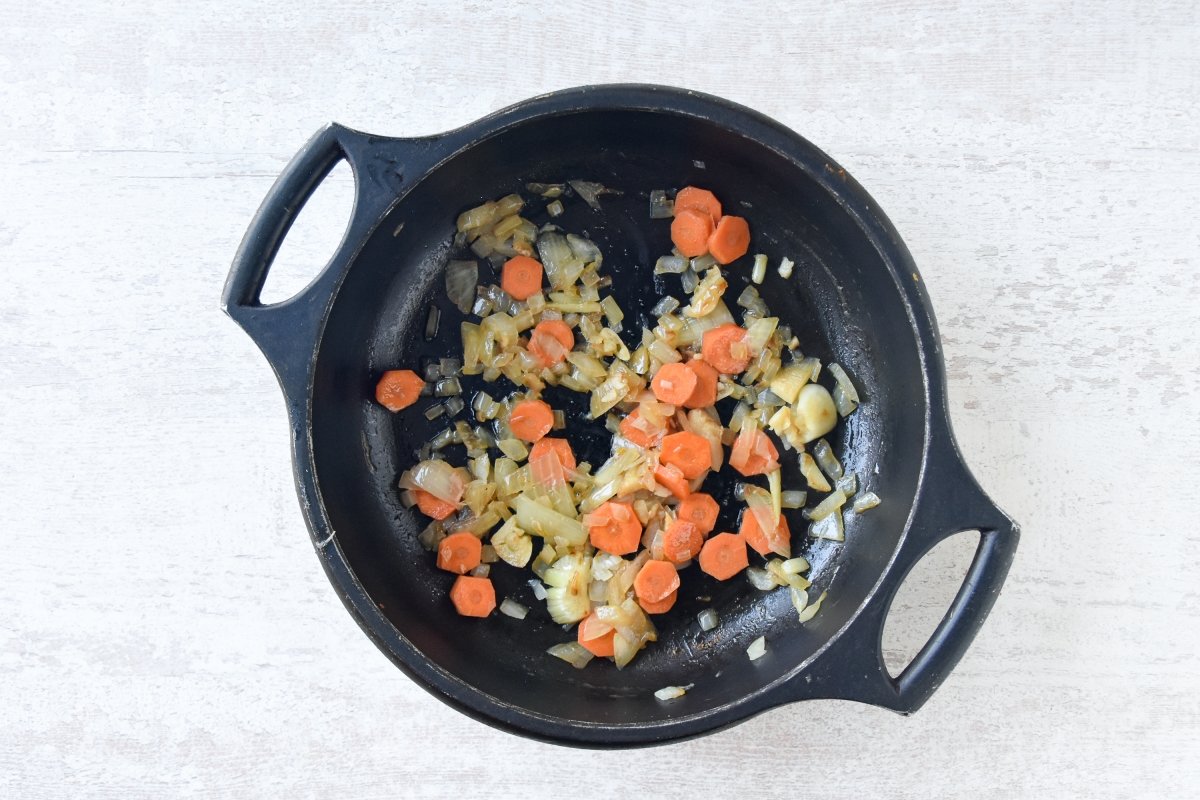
(286,332)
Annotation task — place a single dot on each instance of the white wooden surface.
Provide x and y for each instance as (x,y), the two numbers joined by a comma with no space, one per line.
(165,627)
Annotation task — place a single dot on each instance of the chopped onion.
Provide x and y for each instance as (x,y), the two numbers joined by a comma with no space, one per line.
(436,477)
(750,300)
(539,590)
(481,571)
(811,611)
(760,579)
(670,265)
(775,482)
(666,305)
(546,189)
(843,381)
(613,312)
(757,648)
(829,527)
(513,609)
(461,279)
(554,208)
(661,206)
(795,566)
(434,411)
(560,262)
(845,406)
(793,498)
(812,474)
(827,461)
(865,501)
(759,271)
(431,322)
(799,599)
(537,519)
(759,332)
(707,619)
(590,192)
(573,653)
(847,485)
(569,579)
(689,280)
(447,387)
(829,505)
(513,546)
(785,267)
(672,692)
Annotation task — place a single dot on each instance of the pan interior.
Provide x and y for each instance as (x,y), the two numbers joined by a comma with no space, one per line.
(842,301)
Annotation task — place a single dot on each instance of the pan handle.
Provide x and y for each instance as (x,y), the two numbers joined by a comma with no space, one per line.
(287,331)
(852,667)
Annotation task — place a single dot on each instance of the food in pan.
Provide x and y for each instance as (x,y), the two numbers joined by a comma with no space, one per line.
(611,545)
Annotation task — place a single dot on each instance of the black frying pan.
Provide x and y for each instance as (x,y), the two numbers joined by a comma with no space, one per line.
(855,297)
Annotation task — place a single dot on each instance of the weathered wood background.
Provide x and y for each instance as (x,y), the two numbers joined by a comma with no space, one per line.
(165,629)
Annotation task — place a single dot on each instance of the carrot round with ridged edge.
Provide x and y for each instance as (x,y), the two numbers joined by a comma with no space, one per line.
(690,232)
(701,510)
(705,393)
(398,389)
(473,597)
(432,506)
(681,542)
(614,528)
(717,347)
(530,420)
(660,606)
(673,384)
(594,638)
(560,447)
(689,452)
(752,532)
(550,341)
(459,553)
(724,556)
(730,239)
(698,199)
(521,277)
(655,581)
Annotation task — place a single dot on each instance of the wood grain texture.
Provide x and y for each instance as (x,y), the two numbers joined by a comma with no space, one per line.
(166,628)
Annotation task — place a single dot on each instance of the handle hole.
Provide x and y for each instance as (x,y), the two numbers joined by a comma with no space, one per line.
(924,598)
(314,236)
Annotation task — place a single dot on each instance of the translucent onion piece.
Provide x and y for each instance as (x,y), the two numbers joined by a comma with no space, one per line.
(760,579)
(829,505)
(847,485)
(707,619)
(670,265)
(811,611)
(554,208)
(812,474)
(513,609)
(865,501)
(590,192)
(512,544)
(759,332)
(793,498)
(759,271)
(830,528)
(795,566)
(843,380)
(461,280)
(661,206)
(823,454)
(537,519)
(436,477)
(775,482)
(785,267)
(757,648)
(672,692)
(538,588)
(573,653)
(431,322)
(799,599)
(569,579)
(844,405)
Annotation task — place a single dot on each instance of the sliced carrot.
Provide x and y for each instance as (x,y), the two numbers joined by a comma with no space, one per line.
(636,429)
(700,200)
(521,277)
(614,528)
(432,506)
(473,597)
(673,384)
(780,542)
(655,581)
(560,447)
(690,232)
(670,478)
(688,451)
(661,606)
(753,453)
(705,393)
(596,637)
(730,240)
(530,420)
(681,542)
(459,553)
(724,556)
(701,510)
(724,348)
(550,341)
(398,389)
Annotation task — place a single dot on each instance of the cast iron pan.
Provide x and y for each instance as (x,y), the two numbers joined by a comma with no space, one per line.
(855,297)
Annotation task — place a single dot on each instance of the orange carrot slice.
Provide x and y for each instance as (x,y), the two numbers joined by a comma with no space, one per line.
(521,277)
(473,597)
(674,384)
(724,556)
(530,420)
(398,389)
